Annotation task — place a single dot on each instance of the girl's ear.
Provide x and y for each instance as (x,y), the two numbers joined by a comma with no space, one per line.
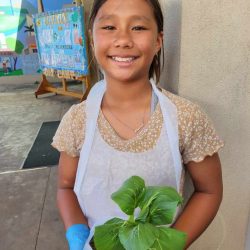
(159,42)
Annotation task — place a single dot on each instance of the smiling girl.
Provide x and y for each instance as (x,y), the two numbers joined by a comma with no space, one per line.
(129,126)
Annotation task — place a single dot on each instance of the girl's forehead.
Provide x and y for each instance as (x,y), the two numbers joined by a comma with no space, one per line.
(136,9)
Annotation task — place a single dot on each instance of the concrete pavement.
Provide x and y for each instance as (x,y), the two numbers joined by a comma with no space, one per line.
(29,218)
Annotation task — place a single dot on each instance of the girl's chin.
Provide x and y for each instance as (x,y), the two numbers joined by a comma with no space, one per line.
(123,74)
(122,77)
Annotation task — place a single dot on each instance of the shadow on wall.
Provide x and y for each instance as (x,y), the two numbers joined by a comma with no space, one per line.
(172,10)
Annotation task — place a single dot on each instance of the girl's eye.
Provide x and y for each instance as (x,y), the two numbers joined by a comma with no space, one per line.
(139,28)
(108,27)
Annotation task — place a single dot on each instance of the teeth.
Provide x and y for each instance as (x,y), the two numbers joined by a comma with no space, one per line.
(123,59)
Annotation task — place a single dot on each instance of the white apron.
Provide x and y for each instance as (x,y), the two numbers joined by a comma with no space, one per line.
(102,169)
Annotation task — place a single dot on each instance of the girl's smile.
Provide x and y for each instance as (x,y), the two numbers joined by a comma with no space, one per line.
(123,61)
(125,39)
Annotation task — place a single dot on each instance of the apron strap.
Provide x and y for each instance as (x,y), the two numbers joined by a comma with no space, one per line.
(93,104)
(170,118)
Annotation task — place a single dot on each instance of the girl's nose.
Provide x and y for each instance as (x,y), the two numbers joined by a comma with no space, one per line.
(123,40)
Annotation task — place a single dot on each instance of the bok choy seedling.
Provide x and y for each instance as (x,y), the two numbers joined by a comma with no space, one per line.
(147,231)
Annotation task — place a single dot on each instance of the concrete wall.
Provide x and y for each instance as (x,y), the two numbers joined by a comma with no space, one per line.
(25,79)
(20,79)
(172,40)
(215,72)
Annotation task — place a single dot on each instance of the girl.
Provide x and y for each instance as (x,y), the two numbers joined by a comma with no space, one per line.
(128,126)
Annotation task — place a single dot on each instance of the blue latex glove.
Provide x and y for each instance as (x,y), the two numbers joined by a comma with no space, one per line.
(77,236)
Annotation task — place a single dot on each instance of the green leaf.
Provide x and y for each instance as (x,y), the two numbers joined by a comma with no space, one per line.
(143,216)
(161,202)
(151,192)
(106,237)
(162,212)
(129,195)
(138,236)
(15,45)
(169,239)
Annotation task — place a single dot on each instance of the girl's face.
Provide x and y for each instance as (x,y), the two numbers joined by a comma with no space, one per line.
(125,39)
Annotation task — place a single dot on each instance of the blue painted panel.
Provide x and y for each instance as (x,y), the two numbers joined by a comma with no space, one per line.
(60,37)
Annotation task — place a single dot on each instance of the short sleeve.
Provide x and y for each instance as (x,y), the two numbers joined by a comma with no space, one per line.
(200,137)
(69,135)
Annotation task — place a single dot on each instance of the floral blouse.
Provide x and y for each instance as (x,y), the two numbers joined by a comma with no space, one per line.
(197,135)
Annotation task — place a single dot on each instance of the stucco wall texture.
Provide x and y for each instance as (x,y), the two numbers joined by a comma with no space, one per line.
(215,72)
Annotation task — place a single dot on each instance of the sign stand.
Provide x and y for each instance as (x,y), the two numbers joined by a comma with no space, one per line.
(46,87)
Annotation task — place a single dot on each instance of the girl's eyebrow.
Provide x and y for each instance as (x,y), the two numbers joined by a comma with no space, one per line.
(133,18)
(105,17)
(138,17)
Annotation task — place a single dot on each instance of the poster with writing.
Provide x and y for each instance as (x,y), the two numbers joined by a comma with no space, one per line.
(61,42)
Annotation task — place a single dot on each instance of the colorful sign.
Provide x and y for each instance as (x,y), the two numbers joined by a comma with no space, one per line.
(61,42)
(16,36)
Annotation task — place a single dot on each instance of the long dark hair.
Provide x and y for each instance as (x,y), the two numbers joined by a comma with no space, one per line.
(156,65)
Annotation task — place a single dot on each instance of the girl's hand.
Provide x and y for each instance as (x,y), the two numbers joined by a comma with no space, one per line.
(77,236)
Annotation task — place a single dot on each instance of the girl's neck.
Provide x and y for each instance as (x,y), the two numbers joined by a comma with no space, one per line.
(120,93)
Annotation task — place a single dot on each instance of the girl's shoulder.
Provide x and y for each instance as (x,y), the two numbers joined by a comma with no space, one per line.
(71,131)
(76,116)
(197,134)
(77,110)
(184,106)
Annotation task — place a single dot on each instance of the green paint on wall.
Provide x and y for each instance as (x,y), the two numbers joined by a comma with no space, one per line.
(12,73)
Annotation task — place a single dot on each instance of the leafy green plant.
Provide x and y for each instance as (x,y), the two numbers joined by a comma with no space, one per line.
(147,231)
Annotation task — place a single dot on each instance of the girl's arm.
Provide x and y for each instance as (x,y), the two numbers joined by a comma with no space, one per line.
(205,201)
(67,202)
